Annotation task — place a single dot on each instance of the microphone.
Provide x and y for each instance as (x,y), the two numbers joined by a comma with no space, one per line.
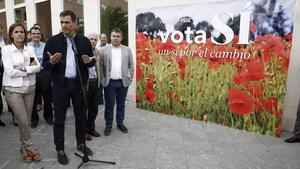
(74,46)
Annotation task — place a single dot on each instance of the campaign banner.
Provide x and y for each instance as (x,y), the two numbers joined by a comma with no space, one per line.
(222,62)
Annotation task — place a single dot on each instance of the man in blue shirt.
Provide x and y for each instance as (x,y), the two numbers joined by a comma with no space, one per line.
(43,82)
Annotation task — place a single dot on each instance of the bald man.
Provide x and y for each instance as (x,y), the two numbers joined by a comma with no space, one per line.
(102,41)
(93,91)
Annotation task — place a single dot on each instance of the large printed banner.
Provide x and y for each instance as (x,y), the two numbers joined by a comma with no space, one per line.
(222,62)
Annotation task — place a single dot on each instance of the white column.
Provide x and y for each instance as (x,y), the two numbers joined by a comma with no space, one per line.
(30,13)
(131,44)
(10,13)
(56,8)
(91,14)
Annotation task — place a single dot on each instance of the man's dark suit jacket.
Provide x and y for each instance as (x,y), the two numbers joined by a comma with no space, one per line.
(1,65)
(58,43)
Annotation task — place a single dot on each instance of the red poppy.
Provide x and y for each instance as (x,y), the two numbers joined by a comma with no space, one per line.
(139,72)
(255,70)
(143,57)
(268,104)
(278,114)
(138,98)
(240,102)
(150,95)
(285,64)
(235,39)
(170,96)
(271,104)
(288,37)
(274,41)
(149,84)
(213,61)
(141,41)
(182,74)
(240,78)
(181,63)
(282,53)
(267,53)
(158,45)
(255,89)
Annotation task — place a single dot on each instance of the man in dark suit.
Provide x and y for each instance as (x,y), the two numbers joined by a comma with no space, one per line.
(93,91)
(62,54)
(296,137)
(117,70)
(3,40)
(1,76)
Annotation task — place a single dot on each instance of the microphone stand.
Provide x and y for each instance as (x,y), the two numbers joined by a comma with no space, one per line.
(85,157)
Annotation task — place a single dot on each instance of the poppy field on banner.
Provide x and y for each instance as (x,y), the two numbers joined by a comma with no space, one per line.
(232,73)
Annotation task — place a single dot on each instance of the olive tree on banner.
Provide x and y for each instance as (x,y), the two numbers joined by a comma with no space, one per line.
(114,17)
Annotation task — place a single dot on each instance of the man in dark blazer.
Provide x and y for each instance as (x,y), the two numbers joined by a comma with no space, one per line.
(61,55)
(117,70)
(1,76)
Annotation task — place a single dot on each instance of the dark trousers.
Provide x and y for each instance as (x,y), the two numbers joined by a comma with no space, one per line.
(61,98)
(92,100)
(1,102)
(100,98)
(114,91)
(43,90)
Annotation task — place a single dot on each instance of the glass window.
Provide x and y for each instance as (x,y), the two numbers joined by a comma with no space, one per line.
(20,16)
(80,1)
(3,31)
(19,1)
(77,8)
(43,11)
(2,4)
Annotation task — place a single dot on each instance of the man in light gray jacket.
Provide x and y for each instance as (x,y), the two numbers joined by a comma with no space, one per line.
(117,70)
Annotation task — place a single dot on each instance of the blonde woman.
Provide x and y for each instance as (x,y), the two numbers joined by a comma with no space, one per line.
(20,65)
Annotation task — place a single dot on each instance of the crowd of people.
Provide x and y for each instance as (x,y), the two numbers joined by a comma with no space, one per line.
(68,70)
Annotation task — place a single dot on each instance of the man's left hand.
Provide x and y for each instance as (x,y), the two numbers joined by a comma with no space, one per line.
(86,59)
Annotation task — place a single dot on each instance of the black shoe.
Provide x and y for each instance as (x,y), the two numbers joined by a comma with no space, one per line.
(15,122)
(94,133)
(88,151)
(292,140)
(62,158)
(107,131)
(2,123)
(49,121)
(122,128)
(87,137)
(34,124)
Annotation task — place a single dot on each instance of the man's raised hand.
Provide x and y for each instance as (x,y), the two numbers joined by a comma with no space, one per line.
(54,59)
